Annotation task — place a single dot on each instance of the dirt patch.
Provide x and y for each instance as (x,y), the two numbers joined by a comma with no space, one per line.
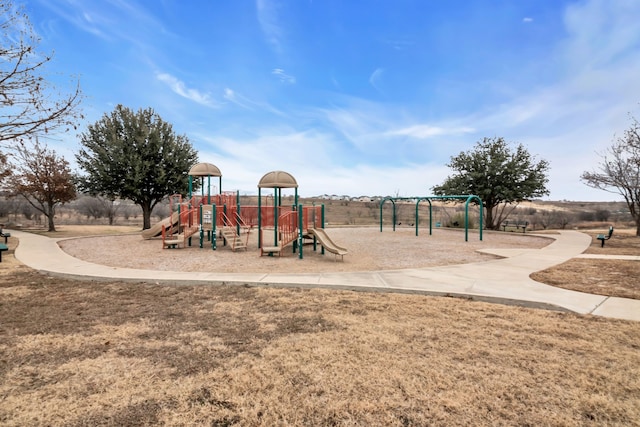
(369,249)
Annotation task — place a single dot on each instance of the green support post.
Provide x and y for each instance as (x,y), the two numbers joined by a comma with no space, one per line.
(214,220)
(276,204)
(321,226)
(201,230)
(300,231)
(259,218)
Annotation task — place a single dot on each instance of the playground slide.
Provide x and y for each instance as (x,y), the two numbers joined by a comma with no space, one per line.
(326,241)
(156,229)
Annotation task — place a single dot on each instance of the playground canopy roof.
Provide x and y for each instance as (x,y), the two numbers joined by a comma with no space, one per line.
(278,179)
(204,169)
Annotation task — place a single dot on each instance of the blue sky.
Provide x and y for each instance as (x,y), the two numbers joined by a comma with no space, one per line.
(358,97)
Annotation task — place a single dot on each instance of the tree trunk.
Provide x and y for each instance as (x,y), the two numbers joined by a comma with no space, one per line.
(146,215)
(50,214)
(488,220)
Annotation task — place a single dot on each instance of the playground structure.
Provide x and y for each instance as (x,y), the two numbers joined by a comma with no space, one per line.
(210,217)
(468,199)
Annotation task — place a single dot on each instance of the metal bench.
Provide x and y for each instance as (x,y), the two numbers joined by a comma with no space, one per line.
(603,237)
(515,224)
(5,235)
(2,249)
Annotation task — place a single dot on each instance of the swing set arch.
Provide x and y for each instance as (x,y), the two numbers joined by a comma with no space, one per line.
(468,199)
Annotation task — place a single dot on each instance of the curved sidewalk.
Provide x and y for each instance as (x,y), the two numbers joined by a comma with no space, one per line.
(503,280)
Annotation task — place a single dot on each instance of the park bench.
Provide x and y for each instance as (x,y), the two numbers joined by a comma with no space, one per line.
(515,224)
(2,249)
(5,235)
(603,237)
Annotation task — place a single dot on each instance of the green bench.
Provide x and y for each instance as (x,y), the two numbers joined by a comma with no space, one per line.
(515,224)
(2,249)
(603,237)
(5,235)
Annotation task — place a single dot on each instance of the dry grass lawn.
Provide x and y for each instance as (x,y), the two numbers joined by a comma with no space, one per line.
(89,354)
(611,277)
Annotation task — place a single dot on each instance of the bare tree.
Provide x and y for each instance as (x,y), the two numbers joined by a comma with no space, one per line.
(43,179)
(98,207)
(30,106)
(5,167)
(563,219)
(602,215)
(619,170)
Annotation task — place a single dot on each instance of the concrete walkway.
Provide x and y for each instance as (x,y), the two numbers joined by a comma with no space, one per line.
(504,280)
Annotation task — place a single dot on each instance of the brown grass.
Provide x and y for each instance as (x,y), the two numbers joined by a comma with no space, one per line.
(77,353)
(64,231)
(82,353)
(610,277)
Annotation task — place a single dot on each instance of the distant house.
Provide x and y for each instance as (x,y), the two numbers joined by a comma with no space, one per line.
(365,199)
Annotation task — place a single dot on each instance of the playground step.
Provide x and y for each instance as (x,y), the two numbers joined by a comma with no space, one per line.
(232,238)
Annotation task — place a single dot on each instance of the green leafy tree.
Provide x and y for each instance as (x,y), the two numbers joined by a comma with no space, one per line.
(30,107)
(619,170)
(134,156)
(44,179)
(500,176)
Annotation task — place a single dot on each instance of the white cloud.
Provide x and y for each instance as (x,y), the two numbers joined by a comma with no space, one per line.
(527,20)
(428,131)
(282,76)
(249,104)
(267,13)
(375,79)
(602,32)
(309,157)
(181,89)
(231,96)
(113,20)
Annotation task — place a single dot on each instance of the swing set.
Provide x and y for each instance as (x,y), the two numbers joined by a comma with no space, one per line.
(468,199)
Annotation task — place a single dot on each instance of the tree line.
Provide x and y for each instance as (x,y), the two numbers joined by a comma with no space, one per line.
(135,155)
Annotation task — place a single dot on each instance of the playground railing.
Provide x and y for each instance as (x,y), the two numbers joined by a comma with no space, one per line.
(189,217)
(311,217)
(224,199)
(228,223)
(288,227)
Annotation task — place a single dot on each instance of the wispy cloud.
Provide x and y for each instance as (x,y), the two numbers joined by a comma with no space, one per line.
(602,32)
(267,13)
(282,76)
(110,21)
(249,104)
(319,175)
(231,96)
(400,44)
(181,89)
(428,131)
(576,81)
(375,79)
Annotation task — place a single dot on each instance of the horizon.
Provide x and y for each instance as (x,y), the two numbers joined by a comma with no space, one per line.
(357,100)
